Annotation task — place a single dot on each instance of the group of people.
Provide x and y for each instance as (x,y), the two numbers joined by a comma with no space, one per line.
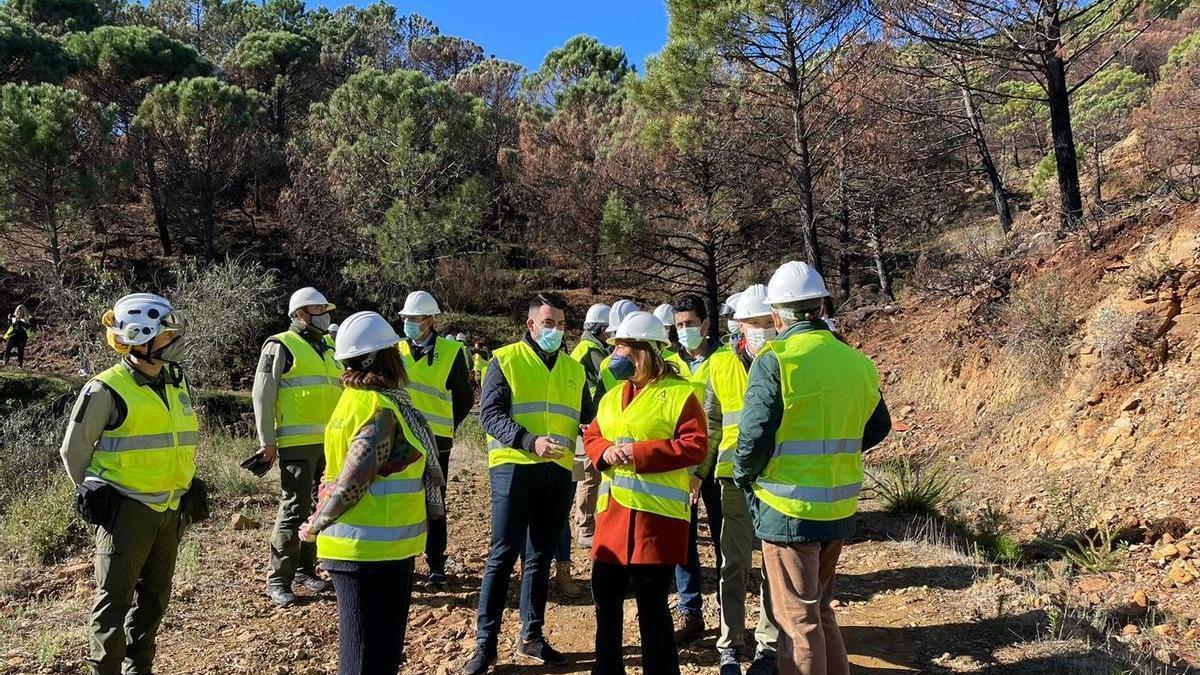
(622,437)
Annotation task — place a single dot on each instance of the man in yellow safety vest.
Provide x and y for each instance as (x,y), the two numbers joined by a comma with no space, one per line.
(812,406)
(296,388)
(439,383)
(534,400)
(140,409)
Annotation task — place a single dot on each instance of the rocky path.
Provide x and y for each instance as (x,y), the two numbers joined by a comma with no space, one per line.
(905,606)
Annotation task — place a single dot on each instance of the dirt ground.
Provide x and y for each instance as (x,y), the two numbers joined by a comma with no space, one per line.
(906,604)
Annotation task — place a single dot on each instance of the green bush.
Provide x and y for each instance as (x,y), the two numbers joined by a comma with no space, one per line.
(42,526)
(906,488)
(1040,321)
(223,408)
(992,531)
(29,441)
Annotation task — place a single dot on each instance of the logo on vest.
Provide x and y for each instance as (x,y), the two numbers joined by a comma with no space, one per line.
(185,402)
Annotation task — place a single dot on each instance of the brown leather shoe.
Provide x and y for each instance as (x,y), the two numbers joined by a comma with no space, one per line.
(688,627)
(563,581)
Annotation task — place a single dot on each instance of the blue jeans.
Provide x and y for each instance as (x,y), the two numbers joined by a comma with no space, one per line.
(687,577)
(529,505)
(561,554)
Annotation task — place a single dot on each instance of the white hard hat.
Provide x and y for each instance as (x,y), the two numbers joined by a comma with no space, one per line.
(333,328)
(642,326)
(730,304)
(138,317)
(617,313)
(363,333)
(795,281)
(420,303)
(752,303)
(307,296)
(461,337)
(665,314)
(597,314)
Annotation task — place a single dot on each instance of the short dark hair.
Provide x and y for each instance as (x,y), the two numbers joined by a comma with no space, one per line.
(692,303)
(385,372)
(553,299)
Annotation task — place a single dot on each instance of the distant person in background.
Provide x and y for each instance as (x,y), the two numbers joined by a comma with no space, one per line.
(812,406)
(480,356)
(439,383)
(20,325)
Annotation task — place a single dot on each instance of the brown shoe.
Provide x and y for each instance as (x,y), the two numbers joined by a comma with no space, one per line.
(563,581)
(688,627)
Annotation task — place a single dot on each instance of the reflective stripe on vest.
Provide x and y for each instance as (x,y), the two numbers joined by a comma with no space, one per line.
(388,523)
(151,456)
(829,391)
(307,392)
(728,377)
(427,383)
(544,402)
(653,414)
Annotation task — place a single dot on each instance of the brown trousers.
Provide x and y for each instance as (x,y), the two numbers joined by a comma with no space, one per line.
(800,577)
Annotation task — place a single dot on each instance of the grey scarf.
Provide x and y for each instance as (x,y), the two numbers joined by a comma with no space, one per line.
(434,481)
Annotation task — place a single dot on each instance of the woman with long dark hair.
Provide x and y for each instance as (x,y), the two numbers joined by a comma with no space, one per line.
(371,520)
(648,433)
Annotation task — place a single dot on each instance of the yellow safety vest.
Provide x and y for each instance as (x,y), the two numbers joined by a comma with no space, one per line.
(307,392)
(151,457)
(544,402)
(427,383)
(581,352)
(388,522)
(829,391)
(728,378)
(652,415)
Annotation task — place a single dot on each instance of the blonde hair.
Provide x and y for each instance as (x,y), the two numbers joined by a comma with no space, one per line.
(21,312)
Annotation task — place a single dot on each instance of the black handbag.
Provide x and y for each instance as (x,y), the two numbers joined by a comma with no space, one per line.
(96,502)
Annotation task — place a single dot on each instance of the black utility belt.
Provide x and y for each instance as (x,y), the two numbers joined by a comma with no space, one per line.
(98,502)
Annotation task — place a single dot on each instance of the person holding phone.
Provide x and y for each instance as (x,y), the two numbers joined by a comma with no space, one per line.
(534,399)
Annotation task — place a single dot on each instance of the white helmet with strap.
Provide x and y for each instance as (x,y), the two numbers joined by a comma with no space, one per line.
(641,327)
(307,297)
(137,318)
(597,313)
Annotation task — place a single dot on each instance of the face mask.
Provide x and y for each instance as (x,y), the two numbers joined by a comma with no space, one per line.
(732,326)
(172,352)
(550,339)
(689,337)
(412,330)
(320,322)
(621,367)
(757,337)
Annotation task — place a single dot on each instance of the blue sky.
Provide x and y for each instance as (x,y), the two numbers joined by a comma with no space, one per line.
(524,30)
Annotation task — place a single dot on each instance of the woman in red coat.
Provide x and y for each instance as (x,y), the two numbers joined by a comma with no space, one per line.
(648,432)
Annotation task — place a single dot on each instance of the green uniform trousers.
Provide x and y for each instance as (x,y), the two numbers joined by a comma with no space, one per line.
(737,546)
(300,470)
(135,560)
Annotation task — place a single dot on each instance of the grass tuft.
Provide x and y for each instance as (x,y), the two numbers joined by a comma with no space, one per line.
(903,487)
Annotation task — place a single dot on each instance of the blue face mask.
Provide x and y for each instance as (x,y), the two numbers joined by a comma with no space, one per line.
(621,367)
(550,339)
(412,330)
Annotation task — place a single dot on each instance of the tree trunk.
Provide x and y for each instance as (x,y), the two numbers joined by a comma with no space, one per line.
(156,198)
(873,239)
(208,220)
(1016,154)
(999,198)
(52,235)
(843,229)
(1066,163)
(1096,167)
(712,292)
(804,184)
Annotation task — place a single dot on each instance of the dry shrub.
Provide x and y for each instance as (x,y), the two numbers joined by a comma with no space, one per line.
(1124,343)
(1041,324)
(1151,274)
(1168,129)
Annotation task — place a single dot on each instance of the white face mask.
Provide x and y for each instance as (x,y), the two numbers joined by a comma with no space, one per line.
(690,337)
(320,322)
(757,337)
(732,326)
